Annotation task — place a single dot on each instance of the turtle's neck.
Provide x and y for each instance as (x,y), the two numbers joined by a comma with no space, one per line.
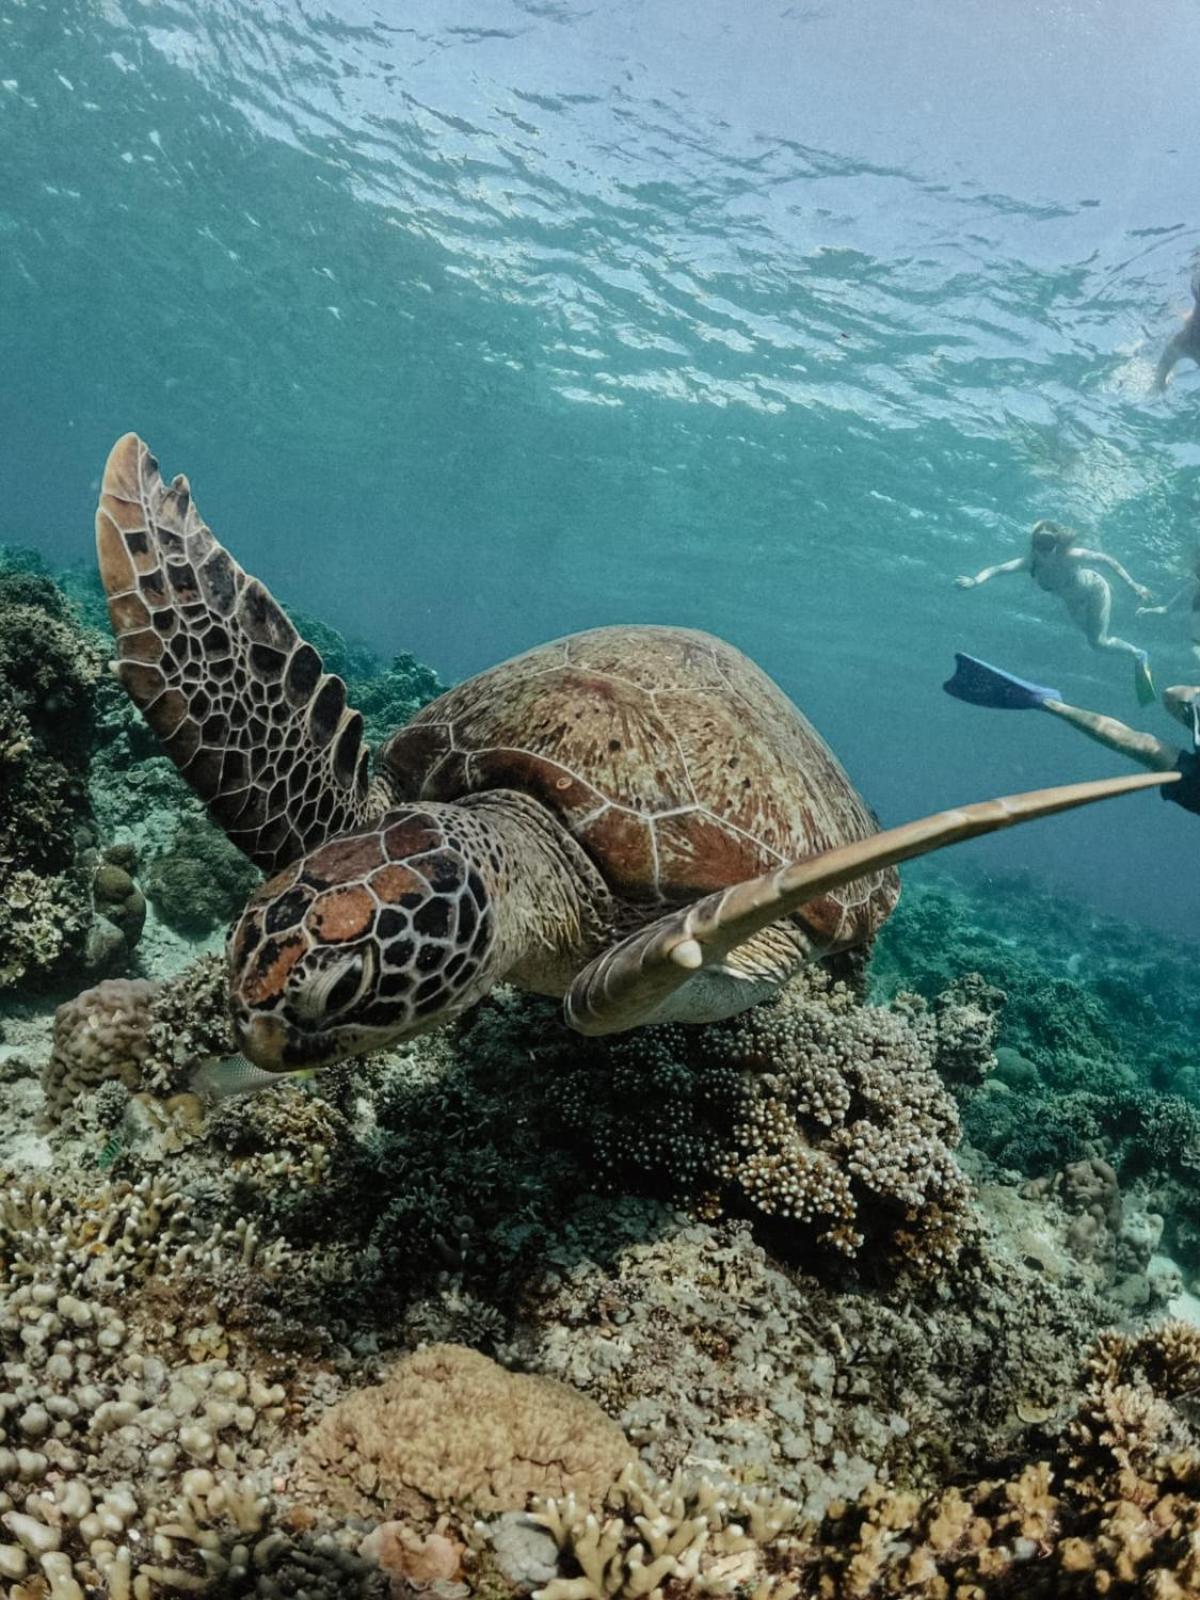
(553,909)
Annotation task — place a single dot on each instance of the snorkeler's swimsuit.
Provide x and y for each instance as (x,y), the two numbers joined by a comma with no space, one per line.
(1186,792)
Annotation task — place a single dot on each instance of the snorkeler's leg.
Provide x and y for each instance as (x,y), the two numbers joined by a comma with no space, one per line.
(1094,614)
(1091,608)
(1143,748)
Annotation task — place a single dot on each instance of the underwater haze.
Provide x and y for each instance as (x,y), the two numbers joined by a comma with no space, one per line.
(477,323)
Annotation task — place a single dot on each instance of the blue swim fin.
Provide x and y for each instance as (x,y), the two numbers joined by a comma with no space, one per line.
(983,685)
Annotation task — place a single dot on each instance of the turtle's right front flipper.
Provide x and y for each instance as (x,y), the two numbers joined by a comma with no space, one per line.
(242,704)
(631,983)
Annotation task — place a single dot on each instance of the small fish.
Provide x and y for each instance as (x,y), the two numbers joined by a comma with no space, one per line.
(113,1150)
(222,1077)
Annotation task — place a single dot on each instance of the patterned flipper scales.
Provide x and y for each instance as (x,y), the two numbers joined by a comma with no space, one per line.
(242,705)
(628,984)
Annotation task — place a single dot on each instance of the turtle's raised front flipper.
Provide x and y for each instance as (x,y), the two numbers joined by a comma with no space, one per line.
(242,704)
(630,983)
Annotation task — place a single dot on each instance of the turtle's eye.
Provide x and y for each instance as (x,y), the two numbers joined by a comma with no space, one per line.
(348,986)
(335,988)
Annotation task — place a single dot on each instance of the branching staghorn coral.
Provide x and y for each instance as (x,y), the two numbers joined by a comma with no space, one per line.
(688,1536)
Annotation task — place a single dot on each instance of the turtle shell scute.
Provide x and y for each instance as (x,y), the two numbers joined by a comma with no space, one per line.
(677,764)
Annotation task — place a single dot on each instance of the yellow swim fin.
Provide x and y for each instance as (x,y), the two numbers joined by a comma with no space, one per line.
(1143,682)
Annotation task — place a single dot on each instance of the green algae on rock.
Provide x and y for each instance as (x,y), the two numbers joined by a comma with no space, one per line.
(199,883)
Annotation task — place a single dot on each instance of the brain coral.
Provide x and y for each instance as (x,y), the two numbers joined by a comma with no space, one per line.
(147,1035)
(101,1034)
(447,1428)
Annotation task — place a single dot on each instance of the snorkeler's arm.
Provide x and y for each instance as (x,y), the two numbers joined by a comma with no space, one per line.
(1143,748)
(1097,558)
(1176,347)
(1018,564)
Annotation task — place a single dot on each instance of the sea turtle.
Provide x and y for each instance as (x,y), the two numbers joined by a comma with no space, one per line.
(634,818)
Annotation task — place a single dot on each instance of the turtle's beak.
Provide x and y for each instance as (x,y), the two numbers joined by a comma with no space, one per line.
(261,1040)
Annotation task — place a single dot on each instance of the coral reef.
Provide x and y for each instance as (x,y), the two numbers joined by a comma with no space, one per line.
(48,670)
(135,1443)
(145,1446)
(812,1108)
(705,1350)
(152,1440)
(1089,1000)
(817,1116)
(430,1196)
(1094,1023)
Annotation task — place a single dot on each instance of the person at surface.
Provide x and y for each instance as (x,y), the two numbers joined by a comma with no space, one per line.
(1183,344)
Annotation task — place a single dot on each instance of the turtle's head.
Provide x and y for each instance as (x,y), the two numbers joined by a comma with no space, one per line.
(374,937)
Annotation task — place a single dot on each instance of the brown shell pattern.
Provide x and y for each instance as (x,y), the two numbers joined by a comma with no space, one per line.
(675,761)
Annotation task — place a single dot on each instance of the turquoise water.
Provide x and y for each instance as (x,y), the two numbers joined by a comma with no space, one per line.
(473,324)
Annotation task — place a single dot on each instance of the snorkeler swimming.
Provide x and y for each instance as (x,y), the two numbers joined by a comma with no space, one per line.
(1062,567)
(983,685)
(1189,592)
(1182,344)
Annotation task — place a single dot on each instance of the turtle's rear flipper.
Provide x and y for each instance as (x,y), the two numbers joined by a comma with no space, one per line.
(242,704)
(631,983)
(984,685)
